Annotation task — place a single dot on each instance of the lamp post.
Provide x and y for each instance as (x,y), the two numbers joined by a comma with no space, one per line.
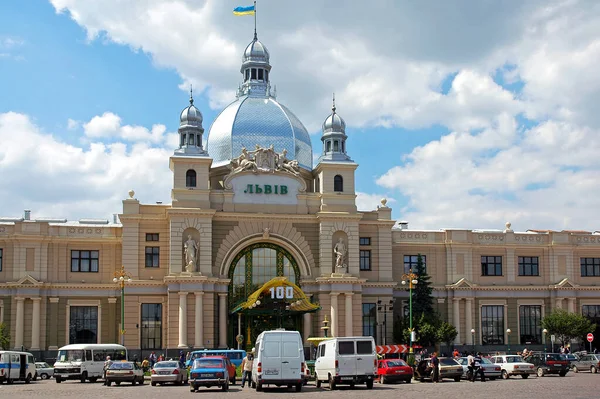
(508,331)
(473,338)
(544,333)
(121,277)
(412,280)
(385,308)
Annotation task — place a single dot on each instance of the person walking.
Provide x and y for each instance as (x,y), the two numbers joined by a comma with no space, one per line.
(435,366)
(471,367)
(478,368)
(247,369)
(107,364)
(152,359)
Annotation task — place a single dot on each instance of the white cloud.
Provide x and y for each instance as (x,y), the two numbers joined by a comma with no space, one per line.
(370,202)
(108,125)
(57,179)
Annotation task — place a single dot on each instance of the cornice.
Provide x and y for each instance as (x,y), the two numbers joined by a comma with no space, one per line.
(336,216)
(191,212)
(239,217)
(385,284)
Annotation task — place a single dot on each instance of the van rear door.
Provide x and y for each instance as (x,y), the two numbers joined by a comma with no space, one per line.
(271,356)
(365,357)
(291,362)
(346,357)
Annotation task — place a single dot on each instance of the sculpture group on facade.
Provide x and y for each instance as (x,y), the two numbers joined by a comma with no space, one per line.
(192,253)
(264,160)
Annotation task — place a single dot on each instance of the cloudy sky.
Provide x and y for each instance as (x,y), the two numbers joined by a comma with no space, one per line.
(467,113)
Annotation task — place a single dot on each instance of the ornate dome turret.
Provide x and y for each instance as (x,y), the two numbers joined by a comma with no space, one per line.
(190,130)
(255,52)
(334,138)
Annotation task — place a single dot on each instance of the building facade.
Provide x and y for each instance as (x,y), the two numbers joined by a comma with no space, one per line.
(257,238)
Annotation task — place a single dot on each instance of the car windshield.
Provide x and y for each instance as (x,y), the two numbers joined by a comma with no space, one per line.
(165,364)
(514,359)
(70,356)
(208,363)
(121,366)
(396,363)
(447,362)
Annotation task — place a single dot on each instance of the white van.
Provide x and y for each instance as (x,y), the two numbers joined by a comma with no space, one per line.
(279,360)
(346,360)
(85,361)
(16,366)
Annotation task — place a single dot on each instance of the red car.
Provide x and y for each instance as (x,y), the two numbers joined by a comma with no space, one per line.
(230,367)
(392,370)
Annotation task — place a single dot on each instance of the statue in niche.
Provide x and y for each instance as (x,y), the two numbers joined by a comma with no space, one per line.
(191,249)
(340,254)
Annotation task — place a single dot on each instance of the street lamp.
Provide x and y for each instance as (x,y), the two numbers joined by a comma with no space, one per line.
(508,331)
(121,277)
(385,308)
(545,332)
(473,338)
(412,280)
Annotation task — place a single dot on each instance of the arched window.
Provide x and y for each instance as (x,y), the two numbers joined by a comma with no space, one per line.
(328,146)
(190,178)
(338,183)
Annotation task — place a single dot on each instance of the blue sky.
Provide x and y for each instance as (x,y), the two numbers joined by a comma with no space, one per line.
(454,135)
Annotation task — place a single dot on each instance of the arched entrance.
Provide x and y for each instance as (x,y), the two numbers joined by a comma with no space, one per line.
(249,271)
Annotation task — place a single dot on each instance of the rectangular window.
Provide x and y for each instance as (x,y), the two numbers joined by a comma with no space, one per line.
(411,261)
(253,74)
(365,259)
(491,265)
(151,236)
(152,256)
(83,324)
(364,347)
(590,267)
(368,319)
(346,347)
(530,322)
(260,74)
(364,240)
(529,266)
(0,259)
(492,325)
(151,331)
(84,261)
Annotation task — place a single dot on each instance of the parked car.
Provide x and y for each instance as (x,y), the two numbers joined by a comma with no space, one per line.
(124,371)
(394,370)
(491,370)
(231,370)
(513,365)
(43,371)
(209,372)
(168,371)
(549,363)
(589,362)
(347,361)
(449,368)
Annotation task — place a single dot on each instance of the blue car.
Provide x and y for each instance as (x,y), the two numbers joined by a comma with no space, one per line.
(209,372)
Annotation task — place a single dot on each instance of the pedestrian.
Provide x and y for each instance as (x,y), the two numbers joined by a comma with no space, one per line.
(247,368)
(107,364)
(455,354)
(181,359)
(152,359)
(471,367)
(145,364)
(435,367)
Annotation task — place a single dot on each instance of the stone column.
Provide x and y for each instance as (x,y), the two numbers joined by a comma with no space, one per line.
(571,304)
(456,318)
(182,320)
(349,314)
(222,320)
(559,302)
(112,315)
(51,324)
(469,319)
(198,327)
(35,324)
(19,322)
(306,326)
(2,311)
(334,314)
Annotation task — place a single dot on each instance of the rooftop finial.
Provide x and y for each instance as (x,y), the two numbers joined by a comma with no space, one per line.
(333,106)
(255,35)
(191,96)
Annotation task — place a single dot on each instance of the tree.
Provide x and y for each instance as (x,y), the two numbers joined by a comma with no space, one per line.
(427,330)
(422,300)
(567,326)
(4,337)
(446,333)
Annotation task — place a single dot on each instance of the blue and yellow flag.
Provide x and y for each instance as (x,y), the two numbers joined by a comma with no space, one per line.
(250,10)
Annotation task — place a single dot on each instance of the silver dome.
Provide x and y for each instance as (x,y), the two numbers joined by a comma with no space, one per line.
(260,120)
(191,115)
(334,123)
(256,51)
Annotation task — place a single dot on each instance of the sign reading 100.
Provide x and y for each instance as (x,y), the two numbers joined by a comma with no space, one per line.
(282,292)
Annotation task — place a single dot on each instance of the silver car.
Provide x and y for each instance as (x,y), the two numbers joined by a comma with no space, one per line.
(589,362)
(168,371)
(43,370)
(491,370)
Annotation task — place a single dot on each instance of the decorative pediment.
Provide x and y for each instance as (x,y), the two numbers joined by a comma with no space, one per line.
(462,284)
(25,281)
(263,160)
(565,283)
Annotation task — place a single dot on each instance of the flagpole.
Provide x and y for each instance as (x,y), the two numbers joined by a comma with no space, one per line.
(255,37)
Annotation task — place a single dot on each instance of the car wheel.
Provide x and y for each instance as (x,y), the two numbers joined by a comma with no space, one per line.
(408,380)
(44,376)
(505,374)
(253,384)
(83,376)
(540,372)
(331,383)
(93,379)
(28,379)
(58,380)
(259,386)
(299,387)
(117,382)
(524,376)
(369,384)
(593,369)
(233,381)
(381,379)
(575,369)
(457,379)
(318,383)
(562,373)
(153,383)
(35,376)
(108,383)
